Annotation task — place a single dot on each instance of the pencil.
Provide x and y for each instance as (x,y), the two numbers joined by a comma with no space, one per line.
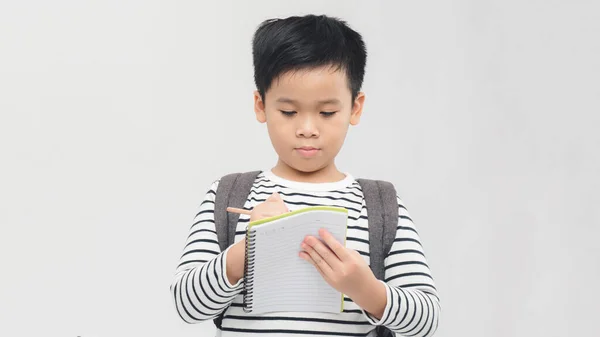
(238,210)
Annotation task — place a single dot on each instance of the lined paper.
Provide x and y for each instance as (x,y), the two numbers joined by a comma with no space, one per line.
(283,281)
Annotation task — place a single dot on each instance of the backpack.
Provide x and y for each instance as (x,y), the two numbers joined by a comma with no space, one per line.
(382,207)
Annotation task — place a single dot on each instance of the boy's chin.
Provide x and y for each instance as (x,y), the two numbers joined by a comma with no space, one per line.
(307,166)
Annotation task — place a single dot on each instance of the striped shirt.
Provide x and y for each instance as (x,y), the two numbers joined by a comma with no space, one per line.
(201,289)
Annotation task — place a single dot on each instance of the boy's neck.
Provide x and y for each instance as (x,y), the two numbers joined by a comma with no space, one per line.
(328,174)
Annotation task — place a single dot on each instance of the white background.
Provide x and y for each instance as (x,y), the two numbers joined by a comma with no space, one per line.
(117,115)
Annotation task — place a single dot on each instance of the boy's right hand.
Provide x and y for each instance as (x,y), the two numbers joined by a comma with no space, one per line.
(273,206)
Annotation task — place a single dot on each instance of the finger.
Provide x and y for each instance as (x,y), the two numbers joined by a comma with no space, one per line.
(279,201)
(306,257)
(355,253)
(276,200)
(324,252)
(340,251)
(274,197)
(323,266)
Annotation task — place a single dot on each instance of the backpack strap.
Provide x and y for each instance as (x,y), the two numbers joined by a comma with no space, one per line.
(382,208)
(232,191)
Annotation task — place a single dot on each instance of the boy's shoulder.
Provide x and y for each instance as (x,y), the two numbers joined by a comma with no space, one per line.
(233,177)
(240,182)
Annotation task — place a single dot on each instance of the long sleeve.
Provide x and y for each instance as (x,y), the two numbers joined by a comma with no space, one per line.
(200,288)
(413,306)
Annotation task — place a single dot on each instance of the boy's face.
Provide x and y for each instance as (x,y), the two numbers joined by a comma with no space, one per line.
(308,113)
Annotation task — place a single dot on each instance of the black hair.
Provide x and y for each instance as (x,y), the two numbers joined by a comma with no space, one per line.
(304,42)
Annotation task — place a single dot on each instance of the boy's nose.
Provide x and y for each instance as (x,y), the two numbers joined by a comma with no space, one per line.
(307,129)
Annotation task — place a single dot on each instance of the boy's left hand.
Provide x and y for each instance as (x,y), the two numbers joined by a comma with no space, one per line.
(342,268)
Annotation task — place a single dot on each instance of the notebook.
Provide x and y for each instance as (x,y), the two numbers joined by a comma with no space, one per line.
(276,278)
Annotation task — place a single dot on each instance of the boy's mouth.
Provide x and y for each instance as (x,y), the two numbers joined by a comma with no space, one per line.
(307,151)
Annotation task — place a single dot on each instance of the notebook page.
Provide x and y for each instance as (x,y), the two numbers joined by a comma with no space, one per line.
(282,280)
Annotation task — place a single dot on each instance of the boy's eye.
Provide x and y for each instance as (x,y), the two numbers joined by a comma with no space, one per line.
(288,113)
(327,113)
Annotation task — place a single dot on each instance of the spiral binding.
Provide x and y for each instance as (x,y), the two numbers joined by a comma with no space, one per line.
(249,270)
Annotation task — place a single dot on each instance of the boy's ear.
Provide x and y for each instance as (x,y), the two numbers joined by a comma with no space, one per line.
(357,108)
(259,108)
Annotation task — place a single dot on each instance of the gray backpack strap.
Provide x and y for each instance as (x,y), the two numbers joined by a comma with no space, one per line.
(232,191)
(382,211)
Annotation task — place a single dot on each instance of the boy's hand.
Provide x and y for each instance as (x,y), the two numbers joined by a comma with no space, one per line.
(346,271)
(235,261)
(273,206)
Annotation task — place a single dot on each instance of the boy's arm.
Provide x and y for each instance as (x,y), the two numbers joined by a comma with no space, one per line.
(413,307)
(201,289)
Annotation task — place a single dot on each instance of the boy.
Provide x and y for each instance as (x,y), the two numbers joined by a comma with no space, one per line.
(308,72)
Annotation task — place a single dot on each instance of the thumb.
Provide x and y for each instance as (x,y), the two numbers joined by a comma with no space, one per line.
(274,197)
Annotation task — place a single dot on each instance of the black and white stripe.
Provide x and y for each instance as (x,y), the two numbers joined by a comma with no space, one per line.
(201,290)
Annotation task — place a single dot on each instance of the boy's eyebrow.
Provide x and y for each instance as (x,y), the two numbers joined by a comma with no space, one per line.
(321,102)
